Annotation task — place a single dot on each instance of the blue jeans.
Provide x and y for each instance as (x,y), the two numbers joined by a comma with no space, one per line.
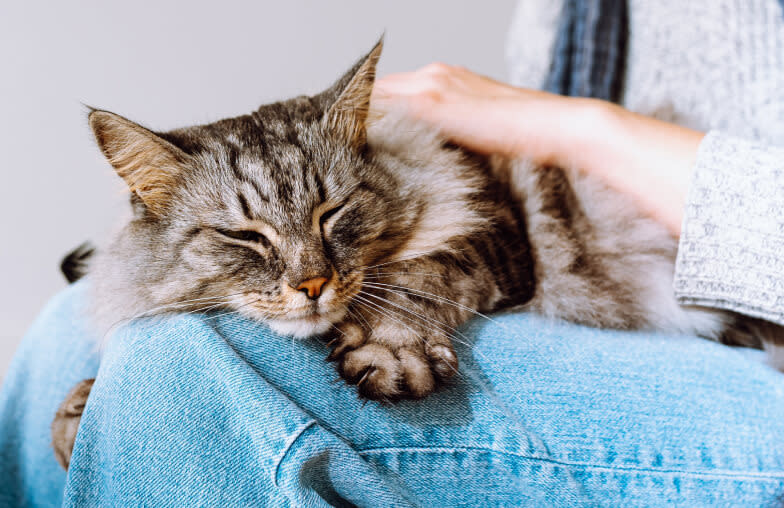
(217,411)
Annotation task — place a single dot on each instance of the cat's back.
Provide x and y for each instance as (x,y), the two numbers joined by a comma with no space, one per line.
(445,184)
(468,207)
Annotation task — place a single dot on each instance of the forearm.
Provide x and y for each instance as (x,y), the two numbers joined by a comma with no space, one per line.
(645,158)
(648,159)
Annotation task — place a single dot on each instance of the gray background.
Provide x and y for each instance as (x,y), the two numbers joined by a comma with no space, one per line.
(168,64)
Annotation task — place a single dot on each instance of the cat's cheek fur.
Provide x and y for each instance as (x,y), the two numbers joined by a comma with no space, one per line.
(306,327)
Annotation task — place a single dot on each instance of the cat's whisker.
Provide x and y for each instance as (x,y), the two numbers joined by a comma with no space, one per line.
(366,304)
(422,322)
(205,309)
(408,258)
(235,310)
(175,307)
(164,309)
(389,314)
(216,297)
(358,316)
(209,303)
(456,331)
(428,321)
(503,246)
(452,332)
(463,372)
(381,275)
(185,303)
(398,306)
(434,297)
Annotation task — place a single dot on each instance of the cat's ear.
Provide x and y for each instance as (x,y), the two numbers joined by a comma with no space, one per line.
(347,115)
(148,163)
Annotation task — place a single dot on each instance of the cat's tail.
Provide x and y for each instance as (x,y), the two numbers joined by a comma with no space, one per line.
(75,264)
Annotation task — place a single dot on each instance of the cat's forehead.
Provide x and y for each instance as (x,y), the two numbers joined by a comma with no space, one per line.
(275,164)
(273,126)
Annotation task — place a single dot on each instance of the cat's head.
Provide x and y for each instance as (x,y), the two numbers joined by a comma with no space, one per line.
(277,212)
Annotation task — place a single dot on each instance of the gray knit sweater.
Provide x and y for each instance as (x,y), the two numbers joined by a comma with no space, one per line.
(716,66)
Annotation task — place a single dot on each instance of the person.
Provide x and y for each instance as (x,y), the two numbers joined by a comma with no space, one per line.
(215,410)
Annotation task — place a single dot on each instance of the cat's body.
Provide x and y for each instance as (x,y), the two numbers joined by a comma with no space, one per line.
(558,243)
(436,226)
(308,217)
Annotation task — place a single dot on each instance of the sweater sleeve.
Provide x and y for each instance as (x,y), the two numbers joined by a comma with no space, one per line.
(731,252)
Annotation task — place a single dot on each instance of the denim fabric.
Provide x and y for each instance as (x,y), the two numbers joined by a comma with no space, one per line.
(53,356)
(589,54)
(194,410)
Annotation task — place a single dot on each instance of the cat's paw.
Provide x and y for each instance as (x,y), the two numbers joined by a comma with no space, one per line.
(410,368)
(66,421)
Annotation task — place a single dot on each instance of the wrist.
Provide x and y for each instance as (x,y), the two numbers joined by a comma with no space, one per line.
(592,132)
(647,159)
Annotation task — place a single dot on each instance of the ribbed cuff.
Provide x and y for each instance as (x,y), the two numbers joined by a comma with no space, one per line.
(731,252)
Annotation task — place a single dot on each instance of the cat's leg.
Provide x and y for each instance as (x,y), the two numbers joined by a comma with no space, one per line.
(398,341)
(66,421)
(388,360)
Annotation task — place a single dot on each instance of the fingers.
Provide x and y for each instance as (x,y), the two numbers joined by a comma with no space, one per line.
(482,114)
(430,84)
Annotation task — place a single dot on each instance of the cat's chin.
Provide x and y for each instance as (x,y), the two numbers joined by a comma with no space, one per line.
(300,328)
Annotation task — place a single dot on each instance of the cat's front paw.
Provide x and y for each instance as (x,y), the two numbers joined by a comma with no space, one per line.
(391,364)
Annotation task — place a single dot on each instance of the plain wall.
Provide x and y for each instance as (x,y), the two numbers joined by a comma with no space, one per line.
(168,64)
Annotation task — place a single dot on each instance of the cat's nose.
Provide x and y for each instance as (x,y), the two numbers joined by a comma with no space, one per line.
(312,286)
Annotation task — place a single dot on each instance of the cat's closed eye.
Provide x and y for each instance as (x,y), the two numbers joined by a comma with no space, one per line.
(329,214)
(246,235)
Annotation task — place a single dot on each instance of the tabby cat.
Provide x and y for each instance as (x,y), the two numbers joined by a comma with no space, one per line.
(315,218)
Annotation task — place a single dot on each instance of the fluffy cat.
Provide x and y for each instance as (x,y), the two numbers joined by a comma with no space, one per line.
(310,217)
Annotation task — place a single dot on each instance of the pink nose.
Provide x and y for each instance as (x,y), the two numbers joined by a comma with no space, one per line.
(313,287)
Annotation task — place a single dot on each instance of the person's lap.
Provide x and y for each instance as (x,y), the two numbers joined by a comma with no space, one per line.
(210,410)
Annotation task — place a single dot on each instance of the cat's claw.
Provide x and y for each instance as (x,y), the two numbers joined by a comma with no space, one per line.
(364,377)
(352,336)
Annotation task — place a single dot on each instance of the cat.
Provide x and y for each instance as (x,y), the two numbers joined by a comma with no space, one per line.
(321,219)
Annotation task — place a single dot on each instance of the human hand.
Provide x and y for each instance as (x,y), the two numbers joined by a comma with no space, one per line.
(477,112)
(650,160)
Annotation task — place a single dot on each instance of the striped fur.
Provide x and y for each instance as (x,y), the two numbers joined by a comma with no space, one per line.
(414,236)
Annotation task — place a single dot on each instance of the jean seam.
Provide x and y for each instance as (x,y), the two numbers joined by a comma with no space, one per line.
(288,446)
(751,475)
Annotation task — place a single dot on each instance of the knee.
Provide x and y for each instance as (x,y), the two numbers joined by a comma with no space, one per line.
(160,342)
